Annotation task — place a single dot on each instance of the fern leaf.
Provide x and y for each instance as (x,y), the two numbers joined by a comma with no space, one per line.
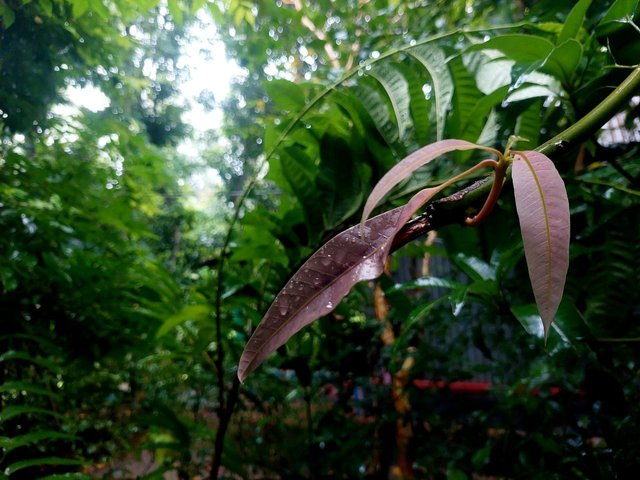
(419,106)
(529,124)
(377,107)
(434,61)
(397,89)
(465,97)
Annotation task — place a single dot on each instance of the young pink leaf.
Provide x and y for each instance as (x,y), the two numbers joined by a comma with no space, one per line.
(543,211)
(409,164)
(326,278)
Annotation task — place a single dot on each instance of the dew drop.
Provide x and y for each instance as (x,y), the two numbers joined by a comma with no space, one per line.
(329,305)
(283,311)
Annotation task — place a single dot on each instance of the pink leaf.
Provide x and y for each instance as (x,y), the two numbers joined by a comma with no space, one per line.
(409,164)
(319,285)
(543,210)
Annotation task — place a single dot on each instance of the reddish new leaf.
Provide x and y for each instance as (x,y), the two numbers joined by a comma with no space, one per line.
(324,280)
(543,211)
(411,163)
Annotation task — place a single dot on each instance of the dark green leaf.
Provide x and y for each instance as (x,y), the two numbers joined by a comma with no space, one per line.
(12,411)
(377,107)
(286,95)
(190,312)
(563,60)
(419,105)
(574,21)
(519,47)
(528,126)
(34,462)
(434,61)
(620,13)
(397,89)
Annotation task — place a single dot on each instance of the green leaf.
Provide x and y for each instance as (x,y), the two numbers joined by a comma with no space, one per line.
(300,172)
(7,14)
(34,462)
(570,324)
(528,126)
(175,9)
(377,108)
(27,387)
(341,176)
(99,7)
(419,106)
(397,89)
(416,315)
(465,99)
(190,312)
(13,355)
(47,7)
(473,126)
(568,327)
(519,47)
(563,60)
(79,7)
(9,444)
(529,318)
(16,410)
(435,63)
(621,12)
(425,282)
(574,21)
(286,95)
(196,5)
(258,244)
(474,267)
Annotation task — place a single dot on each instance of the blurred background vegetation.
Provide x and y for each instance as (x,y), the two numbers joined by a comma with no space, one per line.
(126,297)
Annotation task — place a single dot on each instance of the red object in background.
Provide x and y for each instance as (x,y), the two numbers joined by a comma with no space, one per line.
(467,386)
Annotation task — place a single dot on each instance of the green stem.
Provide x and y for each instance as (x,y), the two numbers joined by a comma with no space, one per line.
(597,117)
(454,208)
(580,130)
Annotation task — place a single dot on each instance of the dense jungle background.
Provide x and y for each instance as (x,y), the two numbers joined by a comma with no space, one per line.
(138,249)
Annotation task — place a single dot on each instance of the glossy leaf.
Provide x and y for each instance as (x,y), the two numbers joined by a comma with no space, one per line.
(574,21)
(419,106)
(434,61)
(518,47)
(529,124)
(326,278)
(378,109)
(397,89)
(620,13)
(543,211)
(563,60)
(408,165)
(473,126)
(466,97)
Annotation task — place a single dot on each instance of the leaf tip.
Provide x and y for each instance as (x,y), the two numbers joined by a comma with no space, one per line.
(546,336)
